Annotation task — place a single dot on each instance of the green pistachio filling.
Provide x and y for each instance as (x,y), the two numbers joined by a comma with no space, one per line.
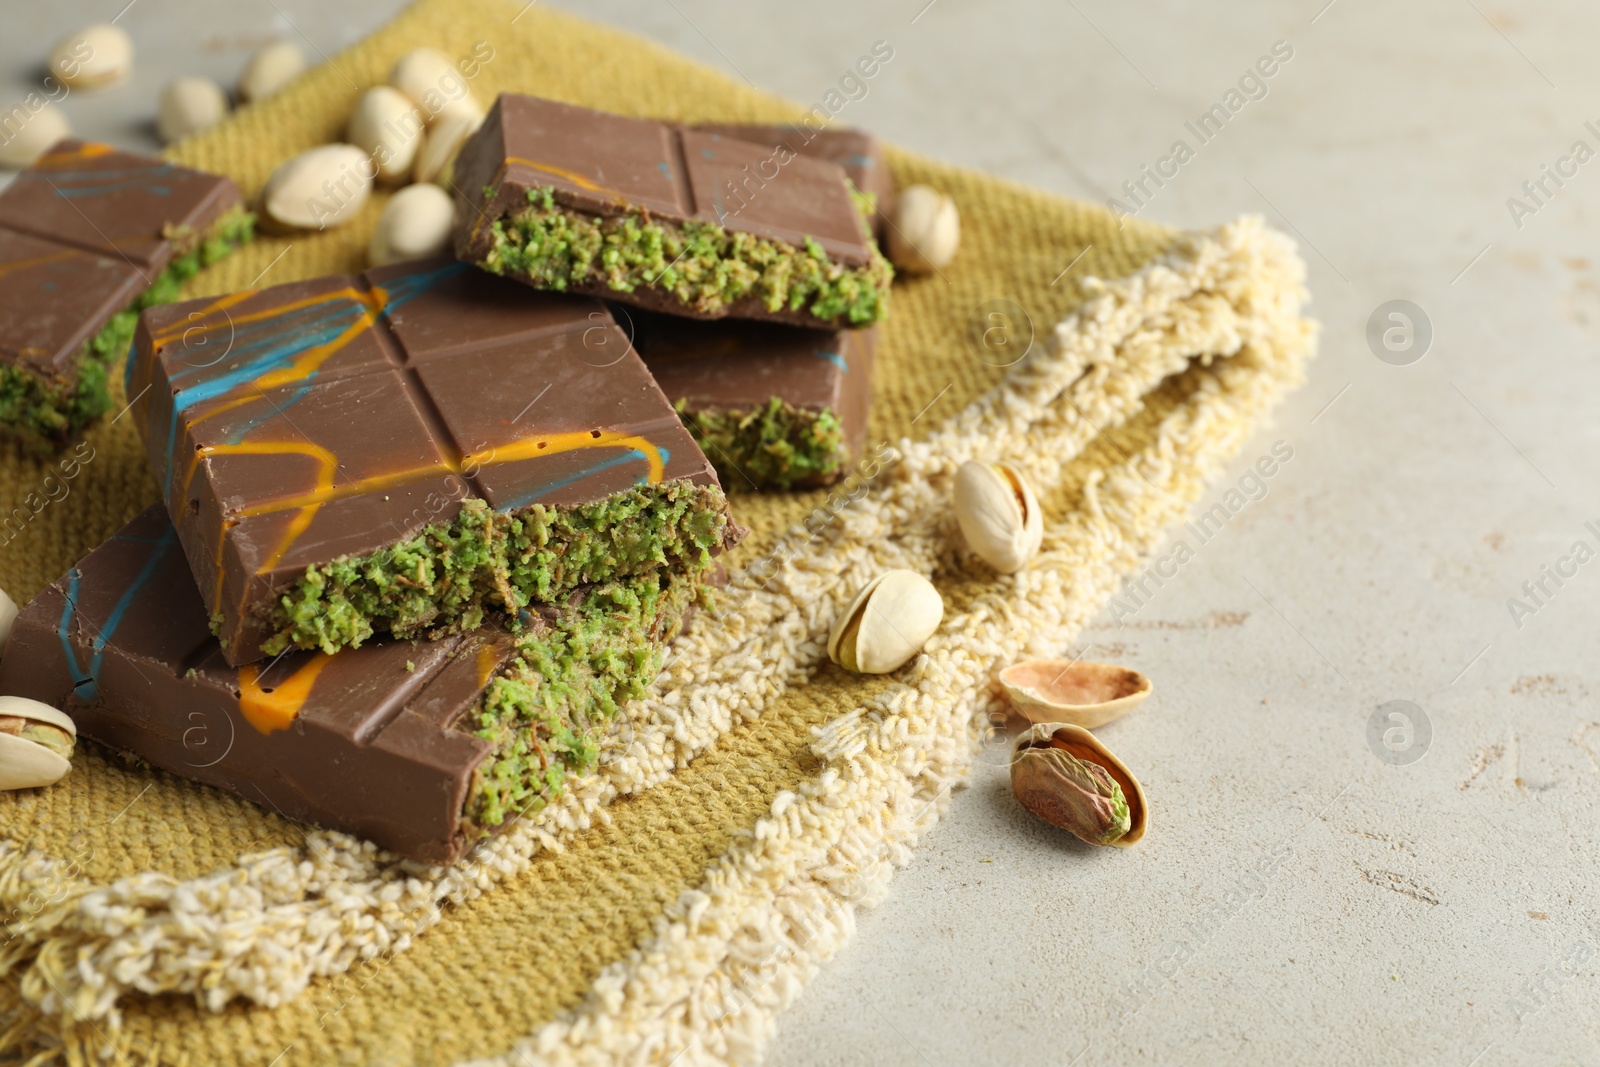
(775,446)
(549,706)
(47,411)
(703,265)
(444,578)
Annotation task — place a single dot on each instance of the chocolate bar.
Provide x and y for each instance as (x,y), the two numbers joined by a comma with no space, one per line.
(665,218)
(772,406)
(856,151)
(420,747)
(89,236)
(403,449)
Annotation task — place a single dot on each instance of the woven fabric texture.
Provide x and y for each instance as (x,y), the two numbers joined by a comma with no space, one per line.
(671,904)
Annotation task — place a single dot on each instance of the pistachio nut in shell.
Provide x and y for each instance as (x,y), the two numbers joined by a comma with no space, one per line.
(188,106)
(998,514)
(436,156)
(34,136)
(1072,691)
(297,195)
(1064,775)
(926,230)
(415,224)
(387,126)
(273,66)
(432,80)
(887,623)
(93,56)
(36,743)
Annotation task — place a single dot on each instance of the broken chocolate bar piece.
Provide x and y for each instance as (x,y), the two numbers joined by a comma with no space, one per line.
(665,218)
(90,235)
(420,747)
(772,406)
(404,449)
(857,151)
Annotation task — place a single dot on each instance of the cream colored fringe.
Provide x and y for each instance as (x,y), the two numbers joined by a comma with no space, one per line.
(728,956)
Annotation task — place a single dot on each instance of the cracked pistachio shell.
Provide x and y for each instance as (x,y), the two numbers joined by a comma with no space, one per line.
(926,230)
(998,514)
(387,126)
(887,623)
(1071,691)
(36,743)
(93,56)
(1064,775)
(271,68)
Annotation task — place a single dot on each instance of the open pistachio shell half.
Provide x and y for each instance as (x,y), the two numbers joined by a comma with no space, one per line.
(36,743)
(1064,775)
(1064,690)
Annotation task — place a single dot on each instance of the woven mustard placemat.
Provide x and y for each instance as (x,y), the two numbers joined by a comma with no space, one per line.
(672,903)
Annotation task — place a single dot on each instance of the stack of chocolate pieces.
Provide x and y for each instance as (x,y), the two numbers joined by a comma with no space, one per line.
(763,235)
(425,528)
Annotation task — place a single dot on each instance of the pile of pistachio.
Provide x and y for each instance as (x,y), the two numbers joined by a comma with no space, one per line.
(101,55)
(407,131)
(1060,771)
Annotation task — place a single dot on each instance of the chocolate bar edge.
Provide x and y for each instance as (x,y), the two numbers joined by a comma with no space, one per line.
(166,713)
(857,297)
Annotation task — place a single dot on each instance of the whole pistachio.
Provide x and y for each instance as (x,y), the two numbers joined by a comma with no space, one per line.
(321,187)
(436,156)
(415,224)
(33,137)
(188,106)
(93,56)
(926,230)
(887,623)
(36,743)
(272,67)
(998,514)
(1065,776)
(387,126)
(431,80)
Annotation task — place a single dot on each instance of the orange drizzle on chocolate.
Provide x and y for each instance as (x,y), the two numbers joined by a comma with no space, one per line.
(305,365)
(275,707)
(489,660)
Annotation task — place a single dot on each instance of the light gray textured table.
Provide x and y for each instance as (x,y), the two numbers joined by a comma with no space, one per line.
(1299,898)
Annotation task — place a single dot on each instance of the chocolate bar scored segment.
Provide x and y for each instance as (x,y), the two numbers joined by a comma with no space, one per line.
(772,406)
(565,197)
(119,204)
(856,151)
(320,420)
(369,741)
(86,232)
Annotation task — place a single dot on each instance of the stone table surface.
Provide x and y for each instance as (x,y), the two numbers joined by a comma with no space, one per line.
(1308,892)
